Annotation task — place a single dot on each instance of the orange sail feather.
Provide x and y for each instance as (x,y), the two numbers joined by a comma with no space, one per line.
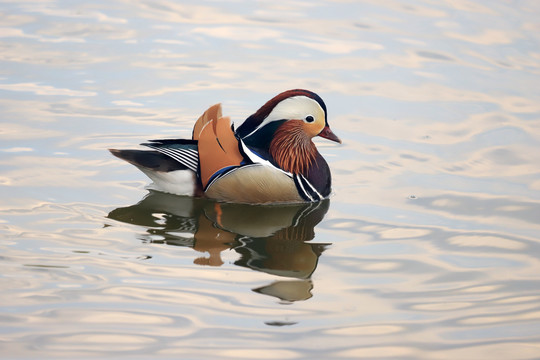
(218,147)
(212,114)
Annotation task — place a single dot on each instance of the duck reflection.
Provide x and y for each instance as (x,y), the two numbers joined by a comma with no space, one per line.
(272,239)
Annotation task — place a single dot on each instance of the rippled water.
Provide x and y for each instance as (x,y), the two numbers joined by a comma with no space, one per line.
(429,248)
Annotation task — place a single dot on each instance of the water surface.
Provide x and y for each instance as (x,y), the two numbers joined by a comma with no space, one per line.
(428,248)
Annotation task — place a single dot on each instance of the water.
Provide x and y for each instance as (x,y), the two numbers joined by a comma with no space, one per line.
(429,248)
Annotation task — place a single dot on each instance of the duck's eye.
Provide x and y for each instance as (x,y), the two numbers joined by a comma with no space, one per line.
(310,119)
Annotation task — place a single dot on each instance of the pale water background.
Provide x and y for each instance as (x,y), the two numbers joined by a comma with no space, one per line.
(429,248)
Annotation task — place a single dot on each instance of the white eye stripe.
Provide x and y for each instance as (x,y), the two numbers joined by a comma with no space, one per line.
(295,107)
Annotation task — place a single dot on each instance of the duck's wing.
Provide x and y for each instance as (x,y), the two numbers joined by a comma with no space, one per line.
(170,169)
(152,160)
(218,149)
(181,150)
(212,151)
(212,114)
(217,145)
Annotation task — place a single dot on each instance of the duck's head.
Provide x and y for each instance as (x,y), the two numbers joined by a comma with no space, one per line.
(297,109)
(282,129)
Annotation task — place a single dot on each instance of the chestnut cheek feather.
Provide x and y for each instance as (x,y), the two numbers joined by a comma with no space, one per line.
(292,149)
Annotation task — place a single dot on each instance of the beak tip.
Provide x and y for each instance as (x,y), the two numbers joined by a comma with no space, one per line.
(327,133)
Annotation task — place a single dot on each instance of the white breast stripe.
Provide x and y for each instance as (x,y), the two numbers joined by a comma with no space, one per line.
(299,182)
(312,188)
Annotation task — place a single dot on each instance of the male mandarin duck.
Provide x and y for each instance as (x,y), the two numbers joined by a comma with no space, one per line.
(269,158)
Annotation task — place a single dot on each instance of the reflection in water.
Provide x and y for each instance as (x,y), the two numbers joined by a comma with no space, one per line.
(270,239)
(437,185)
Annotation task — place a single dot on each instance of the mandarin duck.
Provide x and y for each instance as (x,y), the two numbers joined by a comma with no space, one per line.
(269,158)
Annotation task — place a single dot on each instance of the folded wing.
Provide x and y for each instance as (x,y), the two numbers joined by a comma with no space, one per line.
(212,114)
(183,151)
(212,151)
(218,149)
